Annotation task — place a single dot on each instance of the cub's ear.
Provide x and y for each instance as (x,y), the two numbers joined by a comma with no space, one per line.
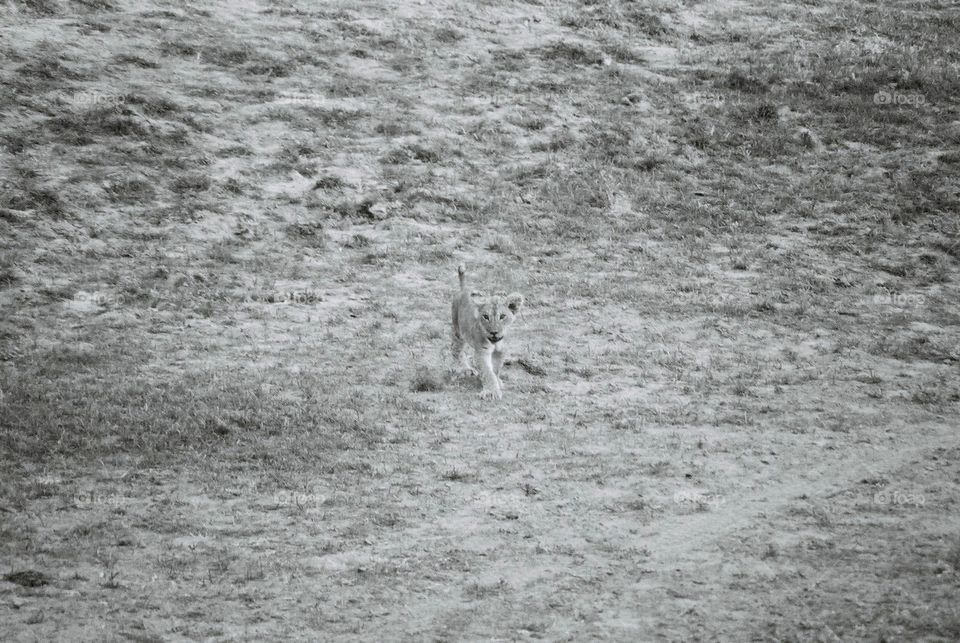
(514,302)
(478,299)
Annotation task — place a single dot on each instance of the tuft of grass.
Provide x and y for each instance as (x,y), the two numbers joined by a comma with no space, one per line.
(412,152)
(765,112)
(426,381)
(559,140)
(358,241)
(501,243)
(624,54)
(575,193)
(311,233)
(130,190)
(456,475)
(329,182)
(619,16)
(42,7)
(479,592)
(570,52)
(154,105)
(47,69)
(740,80)
(528,121)
(88,126)
(309,117)
(32,196)
(952,557)
(924,192)
(448,35)
(395,128)
(96,5)
(135,61)
(647,22)
(191,182)
(8,271)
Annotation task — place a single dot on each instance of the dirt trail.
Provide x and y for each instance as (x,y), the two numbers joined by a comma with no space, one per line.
(691,538)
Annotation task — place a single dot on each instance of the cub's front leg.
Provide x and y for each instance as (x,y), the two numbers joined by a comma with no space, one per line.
(460,360)
(491,383)
(499,355)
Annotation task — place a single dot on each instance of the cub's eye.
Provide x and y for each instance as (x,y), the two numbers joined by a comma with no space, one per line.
(486,317)
(502,316)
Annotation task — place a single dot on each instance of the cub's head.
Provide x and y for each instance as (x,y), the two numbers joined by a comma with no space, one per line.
(496,313)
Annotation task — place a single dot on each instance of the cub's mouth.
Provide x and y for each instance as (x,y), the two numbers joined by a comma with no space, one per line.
(494,338)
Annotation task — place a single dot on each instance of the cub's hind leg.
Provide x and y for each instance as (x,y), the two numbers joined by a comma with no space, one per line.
(458,345)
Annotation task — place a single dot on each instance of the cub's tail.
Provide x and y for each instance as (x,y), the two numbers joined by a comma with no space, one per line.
(462,274)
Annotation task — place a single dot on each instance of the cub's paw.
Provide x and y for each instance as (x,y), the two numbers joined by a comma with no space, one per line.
(491,394)
(462,370)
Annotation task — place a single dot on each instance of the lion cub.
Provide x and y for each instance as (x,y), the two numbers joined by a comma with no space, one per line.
(482,322)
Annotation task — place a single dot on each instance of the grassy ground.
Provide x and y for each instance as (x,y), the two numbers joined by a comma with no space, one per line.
(228,235)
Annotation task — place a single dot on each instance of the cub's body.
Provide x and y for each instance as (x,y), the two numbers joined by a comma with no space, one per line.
(483,323)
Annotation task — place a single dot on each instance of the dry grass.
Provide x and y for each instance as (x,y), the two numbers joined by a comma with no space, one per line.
(227,245)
